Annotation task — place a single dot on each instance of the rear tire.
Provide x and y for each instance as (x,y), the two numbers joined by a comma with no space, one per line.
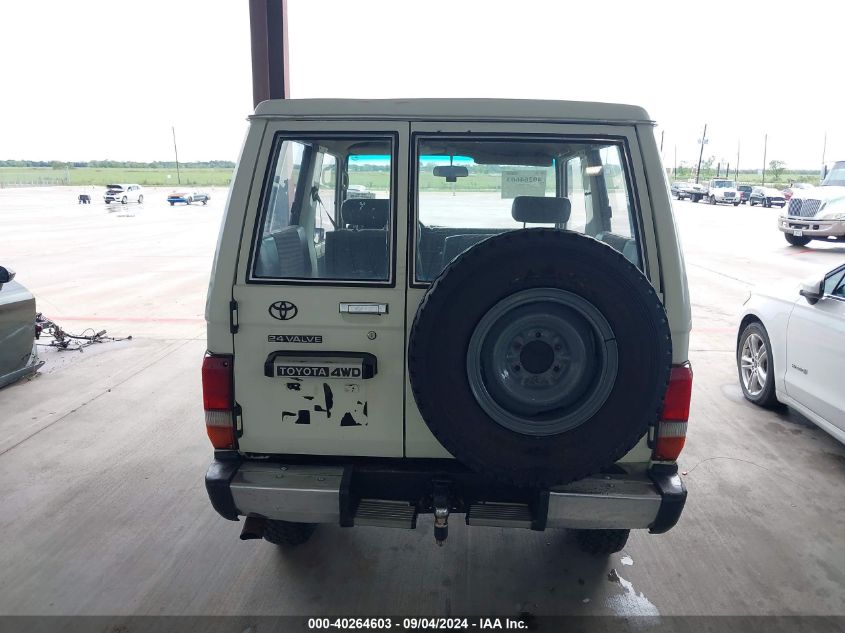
(601,542)
(794,240)
(759,346)
(712,199)
(287,534)
(123,200)
(140,199)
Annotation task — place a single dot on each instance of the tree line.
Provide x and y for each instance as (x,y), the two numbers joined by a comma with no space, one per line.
(119,164)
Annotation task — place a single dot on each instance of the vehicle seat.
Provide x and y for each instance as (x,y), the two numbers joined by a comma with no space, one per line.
(356,254)
(284,254)
(454,245)
(359,250)
(366,213)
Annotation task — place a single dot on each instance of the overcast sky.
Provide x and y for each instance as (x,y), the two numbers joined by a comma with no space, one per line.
(106,79)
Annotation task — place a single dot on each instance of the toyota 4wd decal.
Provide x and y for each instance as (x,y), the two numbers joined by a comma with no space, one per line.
(305,371)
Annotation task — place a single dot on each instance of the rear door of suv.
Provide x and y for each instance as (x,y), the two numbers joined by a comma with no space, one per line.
(319,294)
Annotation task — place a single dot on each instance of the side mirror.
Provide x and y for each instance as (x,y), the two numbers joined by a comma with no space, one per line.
(327,176)
(812,291)
(450,172)
(6,275)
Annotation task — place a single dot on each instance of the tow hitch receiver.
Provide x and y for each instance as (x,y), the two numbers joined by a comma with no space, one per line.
(441,511)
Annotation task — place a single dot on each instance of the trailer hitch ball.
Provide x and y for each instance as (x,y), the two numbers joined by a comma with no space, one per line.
(441,524)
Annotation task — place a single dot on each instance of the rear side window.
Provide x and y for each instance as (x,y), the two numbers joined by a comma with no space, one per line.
(326,211)
(471,188)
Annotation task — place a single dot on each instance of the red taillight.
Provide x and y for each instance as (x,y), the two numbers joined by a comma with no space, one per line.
(672,427)
(218,400)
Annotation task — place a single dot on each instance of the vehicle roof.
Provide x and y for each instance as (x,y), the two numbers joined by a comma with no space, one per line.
(451,109)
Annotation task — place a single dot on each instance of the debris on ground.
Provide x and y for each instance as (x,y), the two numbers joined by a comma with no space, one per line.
(65,341)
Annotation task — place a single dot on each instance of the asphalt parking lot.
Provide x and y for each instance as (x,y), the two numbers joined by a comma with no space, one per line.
(102,456)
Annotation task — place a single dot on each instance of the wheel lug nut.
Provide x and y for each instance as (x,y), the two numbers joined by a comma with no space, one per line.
(516,368)
(557,367)
(558,347)
(538,334)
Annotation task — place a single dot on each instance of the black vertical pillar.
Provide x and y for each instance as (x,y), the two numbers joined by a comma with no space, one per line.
(269,42)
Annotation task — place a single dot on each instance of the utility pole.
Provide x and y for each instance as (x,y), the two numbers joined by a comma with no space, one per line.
(824,151)
(176,152)
(675,164)
(728,171)
(661,141)
(765,146)
(703,141)
(736,171)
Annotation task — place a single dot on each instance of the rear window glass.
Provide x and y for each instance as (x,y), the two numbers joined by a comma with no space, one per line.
(327,211)
(469,189)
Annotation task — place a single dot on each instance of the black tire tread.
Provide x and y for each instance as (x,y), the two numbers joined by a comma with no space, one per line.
(601,542)
(796,241)
(287,534)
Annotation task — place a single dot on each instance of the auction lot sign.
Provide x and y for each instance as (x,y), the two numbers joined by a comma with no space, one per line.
(523,182)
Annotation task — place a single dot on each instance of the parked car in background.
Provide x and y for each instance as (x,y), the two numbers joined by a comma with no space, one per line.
(124,194)
(688,190)
(767,197)
(359,191)
(18,354)
(789,350)
(744,193)
(817,213)
(791,189)
(188,197)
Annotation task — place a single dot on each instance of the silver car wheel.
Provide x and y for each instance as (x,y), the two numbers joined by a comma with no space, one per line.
(754,364)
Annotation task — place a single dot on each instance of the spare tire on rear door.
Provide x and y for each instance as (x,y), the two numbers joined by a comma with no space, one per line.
(540,356)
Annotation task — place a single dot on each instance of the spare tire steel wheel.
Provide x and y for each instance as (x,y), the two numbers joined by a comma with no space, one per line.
(539,357)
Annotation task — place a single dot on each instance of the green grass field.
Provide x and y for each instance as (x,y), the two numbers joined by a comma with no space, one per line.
(22,176)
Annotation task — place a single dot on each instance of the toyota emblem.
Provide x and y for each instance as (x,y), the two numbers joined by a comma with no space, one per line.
(282,310)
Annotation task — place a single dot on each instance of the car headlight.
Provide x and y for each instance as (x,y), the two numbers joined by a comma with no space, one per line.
(834,216)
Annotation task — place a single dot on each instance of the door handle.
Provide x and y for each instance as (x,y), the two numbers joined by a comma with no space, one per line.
(363,308)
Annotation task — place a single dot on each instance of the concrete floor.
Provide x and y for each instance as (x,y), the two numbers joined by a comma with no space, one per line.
(102,457)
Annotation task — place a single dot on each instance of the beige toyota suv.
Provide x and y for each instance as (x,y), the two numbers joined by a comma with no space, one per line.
(499,332)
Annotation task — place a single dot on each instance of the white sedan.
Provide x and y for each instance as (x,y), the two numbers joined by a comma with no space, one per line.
(791,349)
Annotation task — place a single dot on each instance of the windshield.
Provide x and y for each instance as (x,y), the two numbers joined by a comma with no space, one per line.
(836,177)
(723,184)
(118,187)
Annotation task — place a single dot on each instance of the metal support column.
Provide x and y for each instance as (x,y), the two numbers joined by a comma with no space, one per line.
(268,22)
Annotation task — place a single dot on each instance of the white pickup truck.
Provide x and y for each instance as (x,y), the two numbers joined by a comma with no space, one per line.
(722,190)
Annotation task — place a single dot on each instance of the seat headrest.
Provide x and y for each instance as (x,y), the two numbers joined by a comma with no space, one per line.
(541,210)
(366,213)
